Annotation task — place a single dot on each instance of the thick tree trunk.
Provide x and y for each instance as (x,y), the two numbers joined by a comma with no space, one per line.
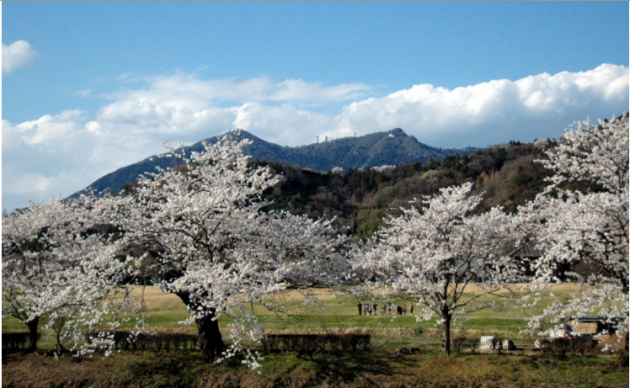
(446,333)
(208,332)
(209,337)
(33,337)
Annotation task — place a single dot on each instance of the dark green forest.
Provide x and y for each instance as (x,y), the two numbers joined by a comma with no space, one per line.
(359,199)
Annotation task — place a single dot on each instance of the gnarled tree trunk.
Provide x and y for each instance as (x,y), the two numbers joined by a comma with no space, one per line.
(208,333)
(209,337)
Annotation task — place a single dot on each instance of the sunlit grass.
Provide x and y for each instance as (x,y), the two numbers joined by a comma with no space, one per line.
(337,312)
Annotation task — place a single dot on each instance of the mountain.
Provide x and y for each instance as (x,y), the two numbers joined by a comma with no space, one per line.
(376,149)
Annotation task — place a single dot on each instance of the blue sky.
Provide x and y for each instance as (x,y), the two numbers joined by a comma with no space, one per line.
(91,87)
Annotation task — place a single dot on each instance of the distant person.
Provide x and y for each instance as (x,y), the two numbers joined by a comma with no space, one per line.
(411,309)
(360,306)
(375,308)
(389,308)
(398,310)
(405,310)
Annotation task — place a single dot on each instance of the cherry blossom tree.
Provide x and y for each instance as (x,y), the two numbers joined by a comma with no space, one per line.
(580,222)
(205,238)
(55,269)
(435,251)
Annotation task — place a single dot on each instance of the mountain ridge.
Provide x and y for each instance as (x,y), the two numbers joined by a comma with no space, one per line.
(376,149)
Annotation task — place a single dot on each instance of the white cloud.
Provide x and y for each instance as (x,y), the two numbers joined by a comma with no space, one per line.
(191,108)
(18,54)
(532,107)
(66,152)
(182,88)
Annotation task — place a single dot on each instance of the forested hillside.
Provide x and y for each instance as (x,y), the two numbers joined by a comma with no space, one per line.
(360,198)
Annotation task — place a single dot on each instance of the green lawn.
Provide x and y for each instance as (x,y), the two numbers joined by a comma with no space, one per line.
(381,366)
(337,313)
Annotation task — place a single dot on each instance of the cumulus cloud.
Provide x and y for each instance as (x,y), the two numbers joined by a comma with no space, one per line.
(68,151)
(491,112)
(61,154)
(191,108)
(16,55)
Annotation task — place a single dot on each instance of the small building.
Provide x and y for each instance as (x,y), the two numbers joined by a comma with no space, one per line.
(595,325)
(587,327)
(526,254)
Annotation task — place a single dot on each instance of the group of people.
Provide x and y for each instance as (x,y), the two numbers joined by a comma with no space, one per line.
(386,309)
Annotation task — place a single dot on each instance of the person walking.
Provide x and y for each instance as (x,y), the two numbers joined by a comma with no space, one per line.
(411,309)
(360,308)
(389,308)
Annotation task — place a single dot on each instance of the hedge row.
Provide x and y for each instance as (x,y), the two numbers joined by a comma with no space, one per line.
(561,346)
(13,341)
(309,343)
(124,340)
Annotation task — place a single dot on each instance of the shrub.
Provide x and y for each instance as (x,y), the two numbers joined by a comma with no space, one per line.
(561,346)
(470,343)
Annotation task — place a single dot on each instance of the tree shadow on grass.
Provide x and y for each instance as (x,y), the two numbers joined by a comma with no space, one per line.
(347,367)
(168,368)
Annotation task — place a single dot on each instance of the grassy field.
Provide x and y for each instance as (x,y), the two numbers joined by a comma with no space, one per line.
(379,367)
(337,313)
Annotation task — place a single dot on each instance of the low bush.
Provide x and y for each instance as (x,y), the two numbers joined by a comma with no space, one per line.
(563,345)
(463,342)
